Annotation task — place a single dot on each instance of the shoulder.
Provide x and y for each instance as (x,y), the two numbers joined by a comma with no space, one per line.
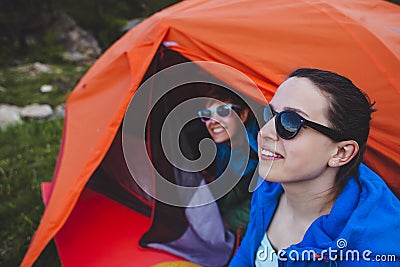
(267,191)
(376,217)
(374,189)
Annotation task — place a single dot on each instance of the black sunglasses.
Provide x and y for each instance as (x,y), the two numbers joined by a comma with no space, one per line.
(288,124)
(222,111)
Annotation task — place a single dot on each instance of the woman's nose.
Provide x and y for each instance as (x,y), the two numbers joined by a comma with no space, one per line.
(268,130)
(214,118)
(211,120)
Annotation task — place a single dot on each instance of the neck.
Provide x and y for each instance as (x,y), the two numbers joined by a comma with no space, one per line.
(308,200)
(237,141)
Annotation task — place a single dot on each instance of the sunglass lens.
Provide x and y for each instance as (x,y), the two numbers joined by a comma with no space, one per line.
(224,110)
(268,114)
(288,124)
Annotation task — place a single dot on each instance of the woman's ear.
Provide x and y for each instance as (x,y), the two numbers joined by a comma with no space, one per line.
(346,151)
(244,115)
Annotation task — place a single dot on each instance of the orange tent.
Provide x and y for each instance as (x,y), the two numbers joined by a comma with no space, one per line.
(263,40)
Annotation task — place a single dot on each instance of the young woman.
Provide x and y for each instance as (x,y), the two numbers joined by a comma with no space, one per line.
(229,122)
(223,116)
(318,204)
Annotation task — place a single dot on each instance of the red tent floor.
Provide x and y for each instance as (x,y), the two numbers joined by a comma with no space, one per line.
(100,232)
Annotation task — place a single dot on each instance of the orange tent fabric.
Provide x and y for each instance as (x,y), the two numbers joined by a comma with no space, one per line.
(265,41)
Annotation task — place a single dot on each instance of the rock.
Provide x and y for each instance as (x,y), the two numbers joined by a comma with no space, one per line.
(79,45)
(36,111)
(41,68)
(2,89)
(75,57)
(46,88)
(33,70)
(9,115)
(59,111)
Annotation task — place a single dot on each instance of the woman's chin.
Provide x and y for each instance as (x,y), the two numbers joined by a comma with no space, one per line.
(268,174)
(221,138)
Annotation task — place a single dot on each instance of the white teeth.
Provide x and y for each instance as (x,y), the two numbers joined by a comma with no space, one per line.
(218,130)
(267,153)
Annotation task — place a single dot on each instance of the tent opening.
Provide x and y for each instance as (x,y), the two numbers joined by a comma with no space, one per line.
(113,179)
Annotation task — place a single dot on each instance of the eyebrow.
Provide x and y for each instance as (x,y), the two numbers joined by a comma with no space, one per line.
(293,109)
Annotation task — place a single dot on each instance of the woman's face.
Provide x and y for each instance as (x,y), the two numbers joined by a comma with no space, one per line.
(305,156)
(220,128)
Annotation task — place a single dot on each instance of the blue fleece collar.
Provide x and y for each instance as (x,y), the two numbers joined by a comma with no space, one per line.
(365,220)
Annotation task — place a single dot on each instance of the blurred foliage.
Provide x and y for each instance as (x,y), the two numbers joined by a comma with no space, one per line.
(20,22)
(107,17)
(27,158)
(103,19)
(22,84)
(25,24)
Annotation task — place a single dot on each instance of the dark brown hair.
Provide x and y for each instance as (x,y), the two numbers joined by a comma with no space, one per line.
(227,96)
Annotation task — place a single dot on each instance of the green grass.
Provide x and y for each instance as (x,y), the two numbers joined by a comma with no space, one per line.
(22,85)
(28,154)
(27,158)
(28,151)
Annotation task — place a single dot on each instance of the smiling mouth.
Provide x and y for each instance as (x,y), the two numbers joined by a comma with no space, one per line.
(217,130)
(268,154)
